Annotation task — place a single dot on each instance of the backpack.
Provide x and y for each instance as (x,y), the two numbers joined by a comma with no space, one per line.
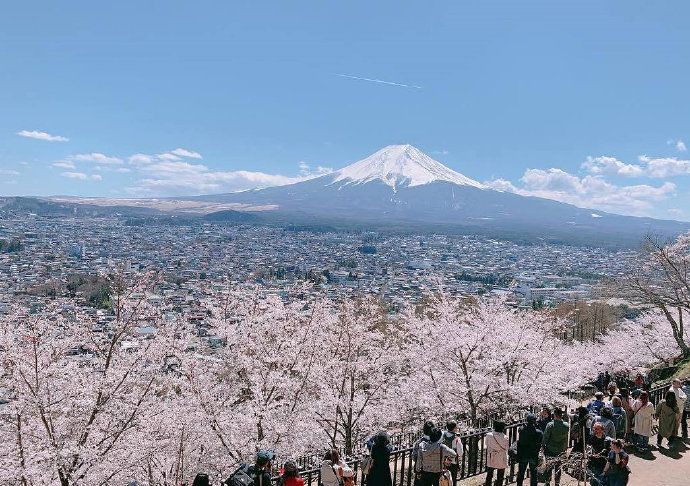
(619,422)
(243,476)
(448,440)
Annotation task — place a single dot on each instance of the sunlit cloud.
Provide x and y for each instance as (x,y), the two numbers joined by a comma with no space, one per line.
(38,135)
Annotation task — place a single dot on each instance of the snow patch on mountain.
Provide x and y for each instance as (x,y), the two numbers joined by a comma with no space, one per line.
(401,166)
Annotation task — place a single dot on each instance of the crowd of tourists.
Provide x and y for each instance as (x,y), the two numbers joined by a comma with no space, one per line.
(600,433)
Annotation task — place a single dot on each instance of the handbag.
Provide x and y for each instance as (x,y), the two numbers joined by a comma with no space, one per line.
(493,454)
(512,451)
(445,479)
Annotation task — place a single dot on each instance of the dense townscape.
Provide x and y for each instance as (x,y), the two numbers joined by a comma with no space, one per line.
(205,257)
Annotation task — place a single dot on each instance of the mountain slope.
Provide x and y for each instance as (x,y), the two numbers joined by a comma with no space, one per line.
(401,165)
(399,186)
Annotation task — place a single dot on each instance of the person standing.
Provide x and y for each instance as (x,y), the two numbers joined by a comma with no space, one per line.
(555,444)
(612,389)
(331,469)
(579,429)
(426,430)
(643,419)
(528,445)
(605,418)
(261,470)
(496,444)
(667,414)
(544,419)
(289,475)
(686,410)
(431,457)
(620,417)
(616,469)
(600,445)
(626,403)
(452,440)
(681,398)
(380,472)
(596,404)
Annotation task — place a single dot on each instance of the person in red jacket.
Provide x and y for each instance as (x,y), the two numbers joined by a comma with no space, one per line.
(289,475)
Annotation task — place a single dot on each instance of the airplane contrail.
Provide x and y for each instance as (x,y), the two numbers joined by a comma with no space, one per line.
(381,81)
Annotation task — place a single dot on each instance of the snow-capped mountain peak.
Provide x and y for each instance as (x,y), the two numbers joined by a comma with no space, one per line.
(401,165)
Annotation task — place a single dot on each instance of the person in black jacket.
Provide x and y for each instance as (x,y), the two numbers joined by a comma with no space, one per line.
(528,446)
(261,470)
(380,472)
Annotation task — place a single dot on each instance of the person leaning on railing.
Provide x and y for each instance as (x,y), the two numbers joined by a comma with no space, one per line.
(496,453)
(431,458)
(451,438)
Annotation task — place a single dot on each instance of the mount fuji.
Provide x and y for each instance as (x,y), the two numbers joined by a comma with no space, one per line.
(400,188)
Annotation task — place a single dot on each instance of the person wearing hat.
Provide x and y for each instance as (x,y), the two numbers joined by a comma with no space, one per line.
(528,446)
(289,475)
(261,470)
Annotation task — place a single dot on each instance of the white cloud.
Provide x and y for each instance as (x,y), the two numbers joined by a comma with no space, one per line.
(655,167)
(591,191)
(186,153)
(662,167)
(97,157)
(168,156)
(64,164)
(140,159)
(178,177)
(306,170)
(679,145)
(611,165)
(9,172)
(82,176)
(38,135)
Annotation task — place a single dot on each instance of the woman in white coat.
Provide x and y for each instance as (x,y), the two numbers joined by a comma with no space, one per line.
(331,469)
(496,444)
(643,418)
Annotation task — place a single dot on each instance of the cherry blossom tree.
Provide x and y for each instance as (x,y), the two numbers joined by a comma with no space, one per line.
(256,391)
(367,355)
(483,356)
(662,280)
(636,344)
(77,397)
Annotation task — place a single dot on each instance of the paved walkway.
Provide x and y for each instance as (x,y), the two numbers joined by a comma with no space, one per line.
(660,467)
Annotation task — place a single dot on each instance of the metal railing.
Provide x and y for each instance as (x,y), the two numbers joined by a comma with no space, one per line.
(472,463)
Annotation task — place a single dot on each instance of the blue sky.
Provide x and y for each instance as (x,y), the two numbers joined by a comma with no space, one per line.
(585,102)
